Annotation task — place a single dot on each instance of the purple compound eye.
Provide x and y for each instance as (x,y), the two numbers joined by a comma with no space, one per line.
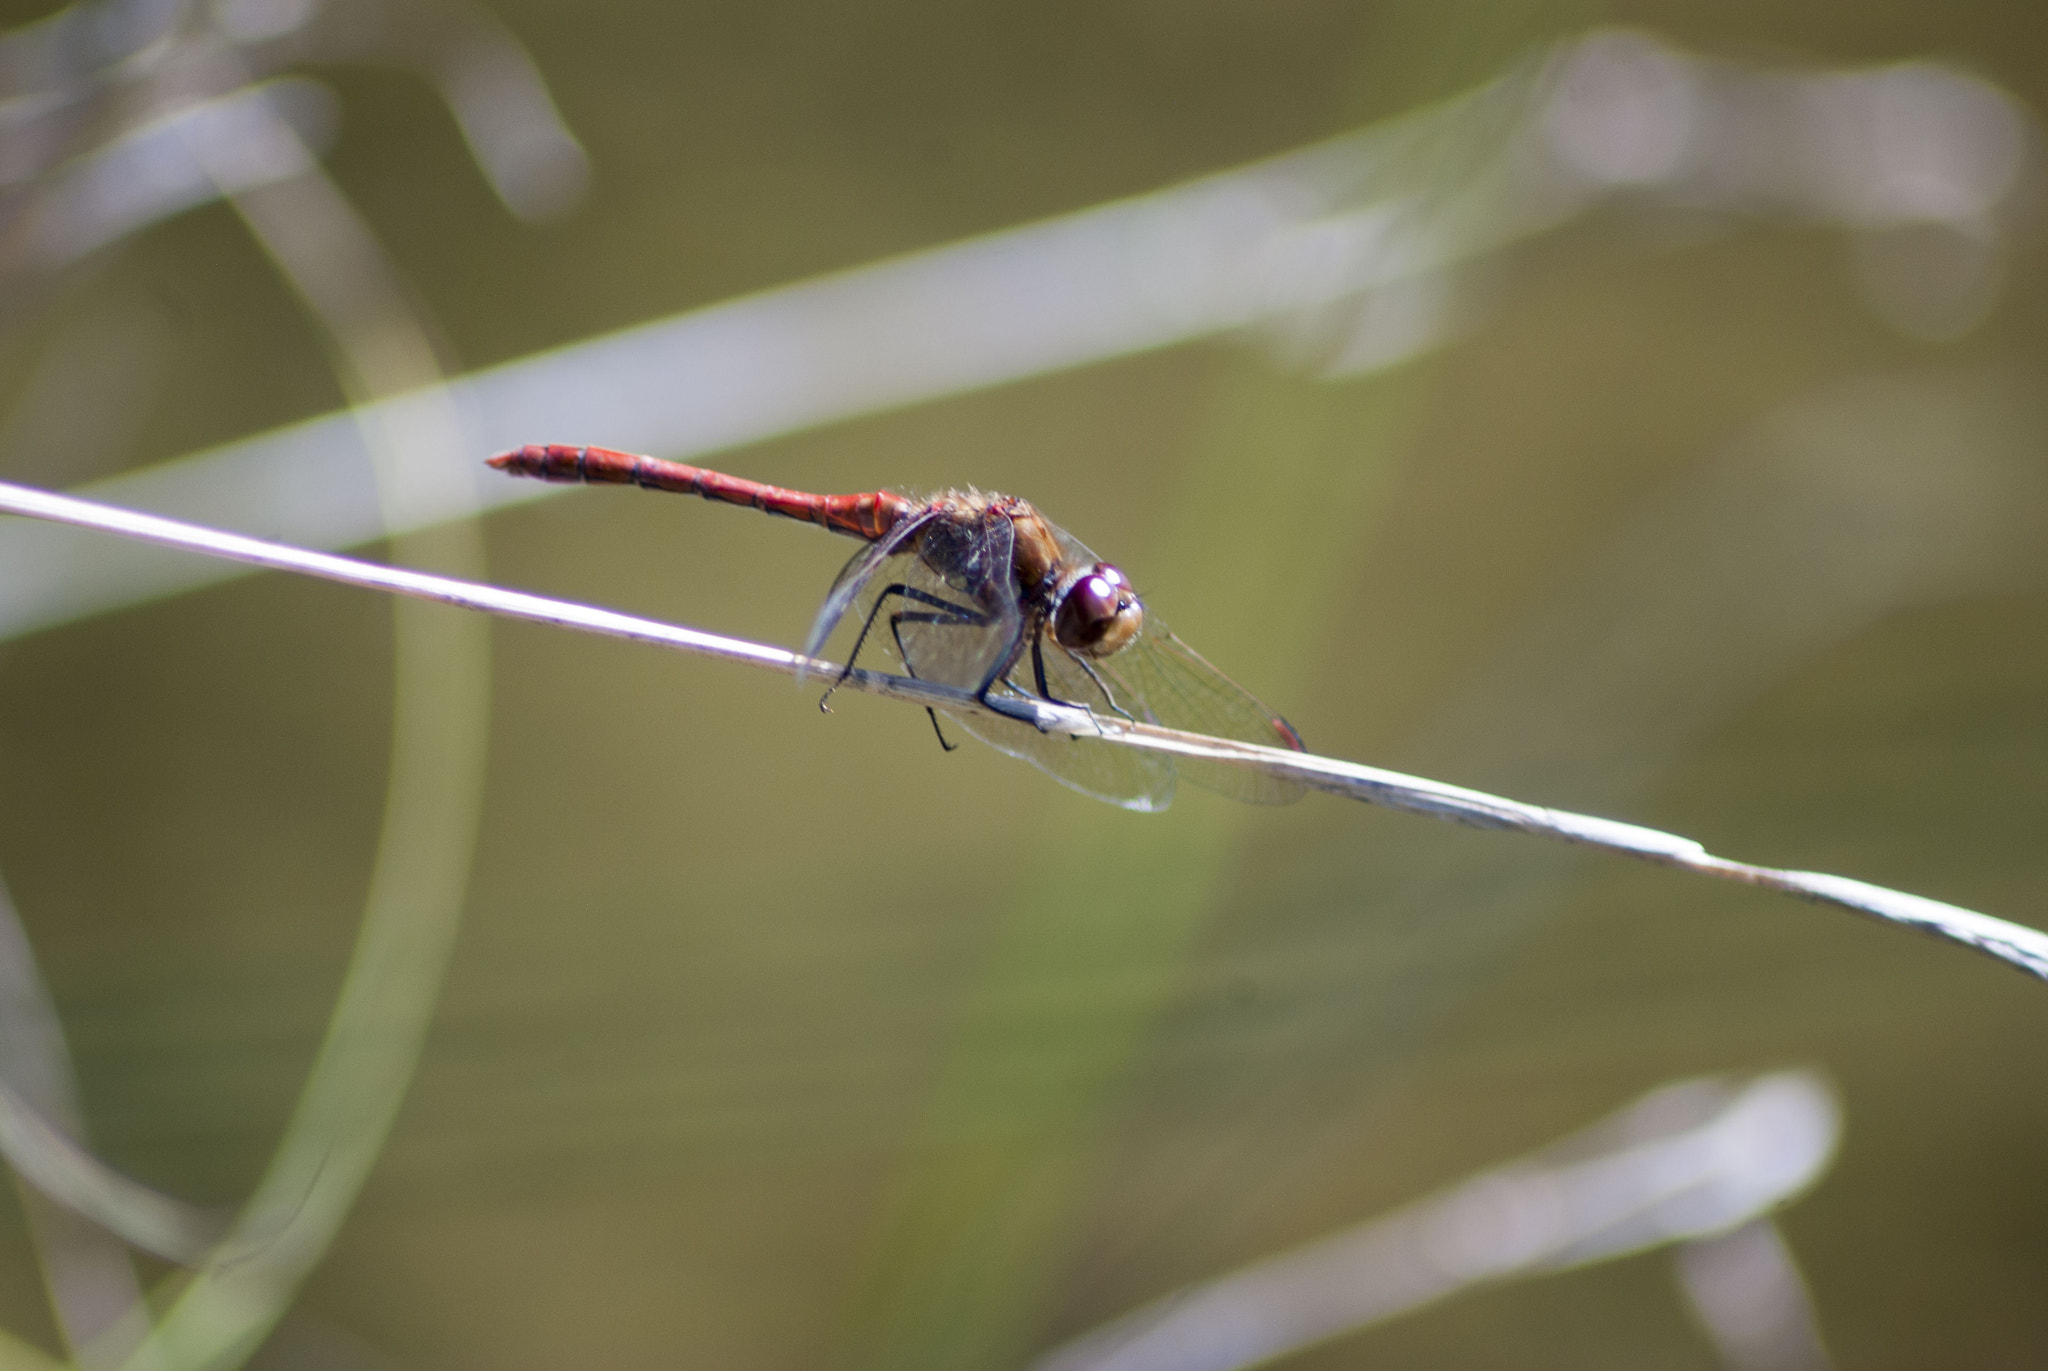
(1099,614)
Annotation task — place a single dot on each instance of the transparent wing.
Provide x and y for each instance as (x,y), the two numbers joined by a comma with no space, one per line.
(1121,775)
(945,610)
(859,570)
(941,606)
(1162,680)
(936,601)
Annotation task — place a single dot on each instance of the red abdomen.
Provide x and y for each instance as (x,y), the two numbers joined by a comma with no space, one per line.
(868,515)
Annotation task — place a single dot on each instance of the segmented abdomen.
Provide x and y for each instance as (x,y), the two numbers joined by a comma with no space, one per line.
(868,515)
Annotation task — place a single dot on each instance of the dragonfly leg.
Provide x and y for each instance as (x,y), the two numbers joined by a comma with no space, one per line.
(962,615)
(1004,660)
(896,622)
(1038,673)
(1101,685)
(943,614)
(1038,670)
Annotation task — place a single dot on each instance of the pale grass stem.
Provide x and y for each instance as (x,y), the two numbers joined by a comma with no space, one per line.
(2019,946)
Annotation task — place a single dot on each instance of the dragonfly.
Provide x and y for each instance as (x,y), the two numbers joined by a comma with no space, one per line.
(982,593)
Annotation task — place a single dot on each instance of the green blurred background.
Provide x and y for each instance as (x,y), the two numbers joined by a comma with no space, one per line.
(776,1040)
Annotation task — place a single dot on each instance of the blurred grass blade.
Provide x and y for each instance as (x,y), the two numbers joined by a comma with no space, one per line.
(434,792)
(1746,1290)
(17,1355)
(58,1166)
(2016,945)
(508,118)
(161,169)
(1652,1174)
(1088,953)
(1277,243)
(1345,256)
(94,1293)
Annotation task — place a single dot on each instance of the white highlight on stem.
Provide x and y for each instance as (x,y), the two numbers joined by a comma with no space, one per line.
(2025,948)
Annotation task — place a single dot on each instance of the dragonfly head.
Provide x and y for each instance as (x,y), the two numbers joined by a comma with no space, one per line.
(1099,614)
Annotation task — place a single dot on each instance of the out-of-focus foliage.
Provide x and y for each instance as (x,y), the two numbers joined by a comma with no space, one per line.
(774,1040)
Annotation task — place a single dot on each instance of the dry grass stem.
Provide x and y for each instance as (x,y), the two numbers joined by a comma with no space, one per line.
(2019,946)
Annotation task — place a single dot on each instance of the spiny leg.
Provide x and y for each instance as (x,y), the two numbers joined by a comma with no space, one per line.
(968,616)
(999,669)
(1038,673)
(1038,670)
(1100,685)
(962,618)
(957,616)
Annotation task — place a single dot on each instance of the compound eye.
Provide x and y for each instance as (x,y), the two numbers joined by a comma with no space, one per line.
(1099,614)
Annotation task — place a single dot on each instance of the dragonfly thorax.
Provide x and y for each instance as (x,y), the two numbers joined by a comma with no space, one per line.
(1098,614)
(1090,608)
(966,587)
